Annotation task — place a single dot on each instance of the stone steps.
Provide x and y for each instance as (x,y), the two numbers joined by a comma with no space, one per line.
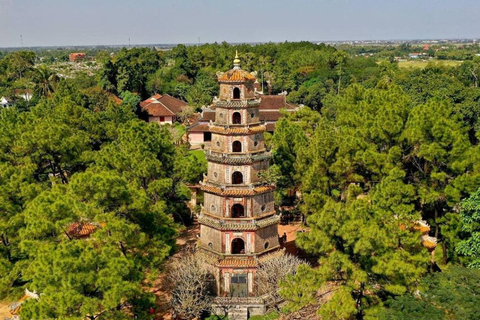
(238,313)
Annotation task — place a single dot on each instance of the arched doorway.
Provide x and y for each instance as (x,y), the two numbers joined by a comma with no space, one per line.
(237,178)
(238,211)
(236,93)
(236,118)
(238,246)
(237,146)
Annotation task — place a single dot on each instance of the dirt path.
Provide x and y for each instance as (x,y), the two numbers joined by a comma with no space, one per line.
(291,231)
(4,310)
(160,286)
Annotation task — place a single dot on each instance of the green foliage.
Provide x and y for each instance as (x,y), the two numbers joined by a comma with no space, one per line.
(451,294)
(78,158)
(470,217)
(371,165)
(128,70)
(269,316)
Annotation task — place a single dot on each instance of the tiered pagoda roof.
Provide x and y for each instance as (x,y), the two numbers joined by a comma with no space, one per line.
(237,224)
(231,192)
(237,130)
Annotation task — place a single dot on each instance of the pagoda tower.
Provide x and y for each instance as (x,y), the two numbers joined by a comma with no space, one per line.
(238,223)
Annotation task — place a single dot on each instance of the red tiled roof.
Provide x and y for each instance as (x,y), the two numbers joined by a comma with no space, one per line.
(237,192)
(236,75)
(275,102)
(22,91)
(173,104)
(208,115)
(156,109)
(270,115)
(81,229)
(161,106)
(429,242)
(77,56)
(234,130)
(241,263)
(199,127)
(270,127)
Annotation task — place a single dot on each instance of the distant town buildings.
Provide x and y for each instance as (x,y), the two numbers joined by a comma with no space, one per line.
(77,56)
(24,94)
(5,102)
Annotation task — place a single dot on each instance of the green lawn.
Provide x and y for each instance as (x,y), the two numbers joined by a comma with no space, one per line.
(269,316)
(199,154)
(423,63)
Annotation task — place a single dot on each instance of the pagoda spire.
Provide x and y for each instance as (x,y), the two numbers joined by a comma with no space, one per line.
(236,61)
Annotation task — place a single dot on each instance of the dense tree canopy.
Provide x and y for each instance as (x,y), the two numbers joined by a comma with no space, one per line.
(70,163)
(375,148)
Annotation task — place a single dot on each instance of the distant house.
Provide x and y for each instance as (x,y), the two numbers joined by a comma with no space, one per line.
(25,94)
(77,56)
(417,55)
(199,131)
(270,106)
(162,109)
(5,102)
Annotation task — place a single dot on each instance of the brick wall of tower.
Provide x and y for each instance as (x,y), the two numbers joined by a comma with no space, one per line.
(247,90)
(263,199)
(223,143)
(224,116)
(256,138)
(222,173)
(214,204)
(210,238)
(268,234)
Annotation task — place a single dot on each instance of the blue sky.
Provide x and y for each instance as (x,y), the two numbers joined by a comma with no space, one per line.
(92,22)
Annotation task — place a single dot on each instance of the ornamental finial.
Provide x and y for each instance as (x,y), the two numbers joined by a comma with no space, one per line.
(236,62)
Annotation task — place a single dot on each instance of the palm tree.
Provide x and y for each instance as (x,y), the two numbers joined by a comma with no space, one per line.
(46,81)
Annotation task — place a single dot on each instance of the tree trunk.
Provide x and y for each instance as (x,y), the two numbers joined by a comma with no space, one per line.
(444,250)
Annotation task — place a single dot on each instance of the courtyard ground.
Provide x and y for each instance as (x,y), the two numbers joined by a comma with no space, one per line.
(4,310)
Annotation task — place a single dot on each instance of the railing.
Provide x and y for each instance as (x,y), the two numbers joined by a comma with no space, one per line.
(239,300)
(236,103)
(238,157)
(225,186)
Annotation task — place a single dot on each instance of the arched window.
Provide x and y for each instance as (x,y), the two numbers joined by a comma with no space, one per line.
(238,246)
(237,178)
(238,211)
(236,93)
(236,118)
(237,146)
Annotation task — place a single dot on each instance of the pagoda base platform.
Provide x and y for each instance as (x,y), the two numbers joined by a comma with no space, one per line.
(240,308)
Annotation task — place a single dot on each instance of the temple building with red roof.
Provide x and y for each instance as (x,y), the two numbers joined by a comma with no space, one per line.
(162,109)
(269,113)
(77,56)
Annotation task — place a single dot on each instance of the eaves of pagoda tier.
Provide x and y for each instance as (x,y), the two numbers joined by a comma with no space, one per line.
(236,104)
(240,130)
(235,190)
(238,158)
(235,224)
(254,257)
(248,260)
